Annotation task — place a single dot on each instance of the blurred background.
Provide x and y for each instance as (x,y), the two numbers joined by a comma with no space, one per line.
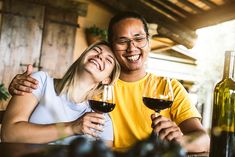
(189,38)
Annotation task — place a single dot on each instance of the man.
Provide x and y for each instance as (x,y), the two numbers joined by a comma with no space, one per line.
(132,121)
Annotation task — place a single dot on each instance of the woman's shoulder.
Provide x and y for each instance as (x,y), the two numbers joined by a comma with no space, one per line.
(40,75)
(45,84)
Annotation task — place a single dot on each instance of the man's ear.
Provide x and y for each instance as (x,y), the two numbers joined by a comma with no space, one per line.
(106,80)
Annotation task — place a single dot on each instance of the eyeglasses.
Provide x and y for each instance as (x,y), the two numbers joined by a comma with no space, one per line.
(123,44)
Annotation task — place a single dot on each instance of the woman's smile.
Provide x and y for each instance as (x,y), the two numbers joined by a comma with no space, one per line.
(99,65)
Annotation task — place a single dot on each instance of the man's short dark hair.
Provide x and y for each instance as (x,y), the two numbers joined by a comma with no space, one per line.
(122,16)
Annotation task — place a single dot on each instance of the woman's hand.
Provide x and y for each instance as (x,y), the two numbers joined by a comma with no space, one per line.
(23,83)
(165,128)
(89,123)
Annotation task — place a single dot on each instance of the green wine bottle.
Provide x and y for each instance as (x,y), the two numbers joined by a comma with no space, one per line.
(223,118)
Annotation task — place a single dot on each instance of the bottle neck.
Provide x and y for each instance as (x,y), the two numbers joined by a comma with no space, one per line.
(229,64)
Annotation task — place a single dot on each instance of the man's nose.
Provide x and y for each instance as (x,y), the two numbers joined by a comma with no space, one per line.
(131,45)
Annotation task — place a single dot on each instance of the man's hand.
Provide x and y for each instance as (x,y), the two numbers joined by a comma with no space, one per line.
(165,128)
(22,83)
(189,134)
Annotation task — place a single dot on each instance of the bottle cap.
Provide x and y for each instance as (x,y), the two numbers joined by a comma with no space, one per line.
(230,53)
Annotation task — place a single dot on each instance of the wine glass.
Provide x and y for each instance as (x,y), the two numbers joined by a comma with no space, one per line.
(104,101)
(158,93)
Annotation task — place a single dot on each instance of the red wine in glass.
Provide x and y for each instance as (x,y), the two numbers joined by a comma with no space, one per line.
(100,106)
(103,102)
(158,93)
(157,104)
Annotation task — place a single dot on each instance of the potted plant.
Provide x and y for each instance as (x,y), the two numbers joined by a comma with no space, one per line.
(4,95)
(95,33)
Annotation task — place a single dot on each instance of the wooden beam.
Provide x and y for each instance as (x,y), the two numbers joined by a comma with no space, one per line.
(16,14)
(69,5)
(177,36)
(165,10)
(175,7)
(173,30)
(220,14)
(209,3)
(191,5)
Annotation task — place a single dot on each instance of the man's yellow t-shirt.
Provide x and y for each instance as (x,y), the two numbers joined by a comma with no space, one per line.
(132,119)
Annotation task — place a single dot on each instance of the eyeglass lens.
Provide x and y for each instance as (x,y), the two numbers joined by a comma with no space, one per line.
(138,42)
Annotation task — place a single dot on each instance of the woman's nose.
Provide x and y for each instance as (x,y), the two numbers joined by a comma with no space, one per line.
(100,56)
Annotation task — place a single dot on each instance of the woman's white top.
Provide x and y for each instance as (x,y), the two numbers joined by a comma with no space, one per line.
(52,108)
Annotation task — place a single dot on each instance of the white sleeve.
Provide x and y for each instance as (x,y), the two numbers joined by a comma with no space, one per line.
(41,78)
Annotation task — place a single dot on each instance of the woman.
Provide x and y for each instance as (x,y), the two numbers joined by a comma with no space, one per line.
(58,108)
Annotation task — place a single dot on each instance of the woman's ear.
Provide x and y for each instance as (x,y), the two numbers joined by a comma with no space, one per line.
(106,80)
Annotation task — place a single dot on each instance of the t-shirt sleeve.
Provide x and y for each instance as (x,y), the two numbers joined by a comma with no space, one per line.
(107,134)
(182,107)
(41,78)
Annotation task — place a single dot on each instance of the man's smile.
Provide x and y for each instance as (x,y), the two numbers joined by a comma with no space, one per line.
(133,58)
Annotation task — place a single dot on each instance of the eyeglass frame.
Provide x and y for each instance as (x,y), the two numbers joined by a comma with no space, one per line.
(128,42)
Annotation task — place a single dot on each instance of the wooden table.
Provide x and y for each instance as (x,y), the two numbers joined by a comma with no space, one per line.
(43,150)
(198,154)
(32,150)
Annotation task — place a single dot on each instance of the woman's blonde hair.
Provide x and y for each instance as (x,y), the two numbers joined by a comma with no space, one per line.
(68,84)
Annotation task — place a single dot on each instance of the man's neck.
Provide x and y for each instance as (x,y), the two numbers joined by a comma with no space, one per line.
(132,76)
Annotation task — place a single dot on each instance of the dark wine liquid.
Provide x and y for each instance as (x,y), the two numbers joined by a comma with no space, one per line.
(223,145)
(157,104)
(101,106)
